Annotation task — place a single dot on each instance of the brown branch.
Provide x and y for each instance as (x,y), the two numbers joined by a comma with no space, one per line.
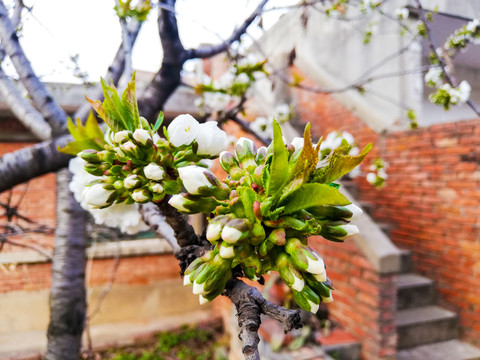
(28,246)
(245,125)
(250,304)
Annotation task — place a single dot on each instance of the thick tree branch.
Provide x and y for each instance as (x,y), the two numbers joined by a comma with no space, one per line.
(250,304)
(168,78)
(21,108)
(28,163)
(209,51)
(42,100)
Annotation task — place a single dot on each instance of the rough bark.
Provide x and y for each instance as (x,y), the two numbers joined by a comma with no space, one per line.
(42,100)
(25,113)
(30,162)
(68,294)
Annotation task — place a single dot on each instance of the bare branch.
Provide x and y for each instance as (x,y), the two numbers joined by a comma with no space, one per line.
(21,108)
(250,304)
(43,101)
(209,51)
(48,255)
(246,127)
(27,163)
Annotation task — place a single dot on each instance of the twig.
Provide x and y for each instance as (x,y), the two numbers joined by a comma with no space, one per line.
(448,76)
(28,246)
(245,125)
(152,217)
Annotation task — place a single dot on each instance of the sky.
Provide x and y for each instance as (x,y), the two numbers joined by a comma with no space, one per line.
(56,30)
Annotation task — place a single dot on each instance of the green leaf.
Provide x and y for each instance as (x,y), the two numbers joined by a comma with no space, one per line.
(303,166)
(279,165)
(129,99)
(338,164)
(248,197)
(313,194)
(159,122)
(85,137)
(116,114)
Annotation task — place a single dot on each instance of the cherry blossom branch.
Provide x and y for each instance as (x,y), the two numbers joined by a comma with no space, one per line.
(250,304)
(441,61)
(152,216)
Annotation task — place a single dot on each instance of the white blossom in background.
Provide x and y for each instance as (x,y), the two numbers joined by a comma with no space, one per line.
(334,140)
(433,76)
(378,173)
(125,217)
(401,13)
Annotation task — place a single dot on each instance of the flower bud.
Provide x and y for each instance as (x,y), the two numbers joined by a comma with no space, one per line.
(182,130)
(261,155)
(304,258)
(90,156)
(277,236)
(200,181)
(128,146)
(236,230)
(131,181)
(97,197)
(141,195)
(215,227)
(142,136)
(121,136)
(289,274)
(230,164)
(156,188)
(210,139)
(258,234)
(96,169)
(190,204)
(227,251)
(348,212)
(153,172)
(245,151)
(338,232)
(320,288)
(307,299)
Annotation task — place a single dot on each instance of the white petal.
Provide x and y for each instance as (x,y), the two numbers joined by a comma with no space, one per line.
(231,235)
(315,266)
(313,307)
(182,130)
(321,277)
(214,232)
(298,284)
(198,289)
(186,280)
(227,252)
(327,299)
(202,300)
(356,211)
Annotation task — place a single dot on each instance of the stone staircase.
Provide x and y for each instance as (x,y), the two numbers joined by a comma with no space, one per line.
(426,331)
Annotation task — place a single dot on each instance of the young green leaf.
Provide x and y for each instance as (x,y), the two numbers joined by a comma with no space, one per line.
(313,194)
(89,136)
(129,100)
(248,196)
(338,164)
(159,122)
(279,166)
(304,165)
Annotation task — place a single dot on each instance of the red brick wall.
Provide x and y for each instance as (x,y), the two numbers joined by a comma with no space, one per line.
(138,270)
(364,301)
(432,198)
(36,200)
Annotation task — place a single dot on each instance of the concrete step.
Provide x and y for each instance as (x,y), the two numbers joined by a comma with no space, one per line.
(406,261)
(414,291)
(425,325)
(386,228)
(445,350)
(366,207)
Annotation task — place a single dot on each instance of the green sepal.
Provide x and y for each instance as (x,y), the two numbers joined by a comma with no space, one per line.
(248,197)
(171,186)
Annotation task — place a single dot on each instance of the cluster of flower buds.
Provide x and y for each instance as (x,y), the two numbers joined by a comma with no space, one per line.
(261,224)
(208,275)
(129,170)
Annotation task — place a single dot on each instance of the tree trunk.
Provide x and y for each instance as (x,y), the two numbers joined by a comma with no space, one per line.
(68,294)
